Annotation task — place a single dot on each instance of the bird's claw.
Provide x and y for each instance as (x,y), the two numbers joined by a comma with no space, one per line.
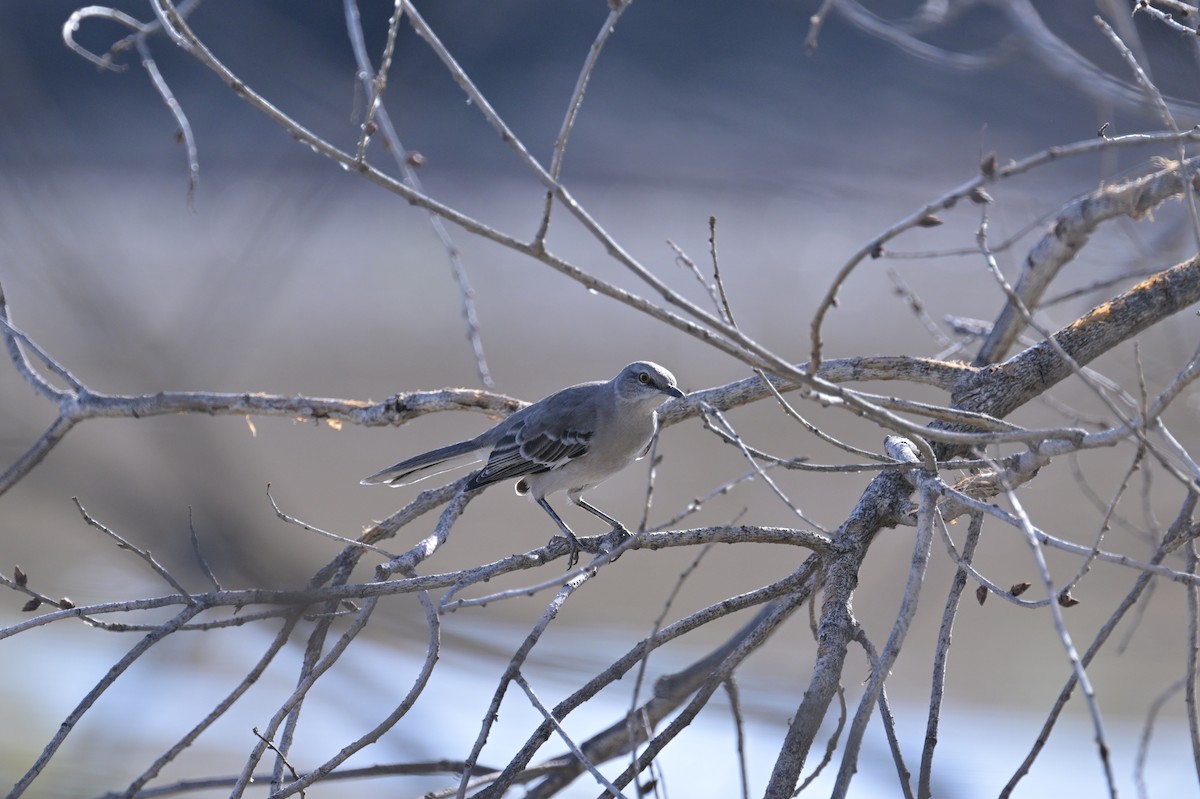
(615,538)
(574,545)
(601,544)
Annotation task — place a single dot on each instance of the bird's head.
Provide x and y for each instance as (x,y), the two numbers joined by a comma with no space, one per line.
(643,381)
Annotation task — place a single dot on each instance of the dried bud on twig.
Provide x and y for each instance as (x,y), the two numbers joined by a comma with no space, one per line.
(980,197)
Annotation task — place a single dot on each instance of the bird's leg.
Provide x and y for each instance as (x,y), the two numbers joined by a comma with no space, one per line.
(616,525)
(617,528)
(576,547)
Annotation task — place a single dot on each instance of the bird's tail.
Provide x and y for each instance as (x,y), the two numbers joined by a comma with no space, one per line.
(413,470)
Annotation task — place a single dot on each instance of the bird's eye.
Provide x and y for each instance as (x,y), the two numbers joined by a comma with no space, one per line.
(644,378)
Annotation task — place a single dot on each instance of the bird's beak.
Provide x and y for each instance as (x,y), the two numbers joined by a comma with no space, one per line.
(674,392)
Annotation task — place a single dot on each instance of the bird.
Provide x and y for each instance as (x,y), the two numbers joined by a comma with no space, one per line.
(570,441)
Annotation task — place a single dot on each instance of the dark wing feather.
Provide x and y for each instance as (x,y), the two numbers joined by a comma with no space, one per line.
(552,451)
(524,450)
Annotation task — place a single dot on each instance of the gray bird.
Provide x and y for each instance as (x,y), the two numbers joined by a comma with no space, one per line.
(571,441)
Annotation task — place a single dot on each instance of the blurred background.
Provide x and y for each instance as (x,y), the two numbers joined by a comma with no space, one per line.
(288,275)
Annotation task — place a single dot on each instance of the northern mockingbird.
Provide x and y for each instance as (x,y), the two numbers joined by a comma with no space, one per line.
(570,441)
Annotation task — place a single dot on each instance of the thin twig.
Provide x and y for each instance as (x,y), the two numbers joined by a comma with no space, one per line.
(816,22)
(812,428)
(144,554)
(753,639)
(904,776)
(1143,750)
(12,335)
(942,655)
(1077,664)
(951,198)
(103,684)
(725,308)
(185,126)
(1086,565)
(1178,534)
(408,167)
(728,429)
(685,260)
(1193,647)
(71,27)
(653,459)
(697,503)
(830,745)
(796,584)
(735,709)
(445,605)
(200,559)
(306,526)
(514,666)
(917,306)
(432,654)
(284,712)
(615,10)
(275,749)
(376,84)
(1164,113)
(520,680)
(639,680)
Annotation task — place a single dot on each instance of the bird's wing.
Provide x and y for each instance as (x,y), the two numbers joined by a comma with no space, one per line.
(556,433)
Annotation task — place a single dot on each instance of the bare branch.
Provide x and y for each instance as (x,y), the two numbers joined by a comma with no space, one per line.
(941,657)
(935,416)
(1179,533)
(1068,234)
(573,106)
(408,164)
(141,553)
(117,669)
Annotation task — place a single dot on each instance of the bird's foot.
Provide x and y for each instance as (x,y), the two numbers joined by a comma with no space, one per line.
(601,544)
(575,546)
(615,539)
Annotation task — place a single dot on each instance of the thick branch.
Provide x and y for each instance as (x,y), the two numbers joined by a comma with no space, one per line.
(884,501)
(996,390)
(999,390)
(1069,233)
